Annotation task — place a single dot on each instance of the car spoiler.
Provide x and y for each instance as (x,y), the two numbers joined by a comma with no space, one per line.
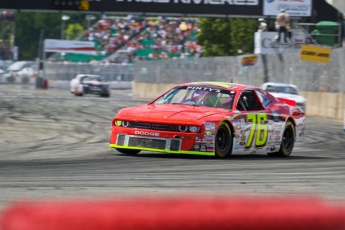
(287,101)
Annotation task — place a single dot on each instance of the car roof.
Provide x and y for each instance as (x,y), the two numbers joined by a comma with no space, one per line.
(224,85)
(280,84)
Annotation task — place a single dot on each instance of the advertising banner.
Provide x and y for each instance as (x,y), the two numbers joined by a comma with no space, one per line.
(264,43)
(297,8)
(249,60)
(67,46)
(222,8)
(315,53)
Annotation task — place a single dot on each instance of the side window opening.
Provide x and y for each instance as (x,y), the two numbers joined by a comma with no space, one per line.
(263,99)
(248,101)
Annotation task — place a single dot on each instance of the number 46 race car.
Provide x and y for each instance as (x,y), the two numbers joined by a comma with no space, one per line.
(210,118)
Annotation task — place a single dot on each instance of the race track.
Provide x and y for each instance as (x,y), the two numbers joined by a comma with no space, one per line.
(54,145)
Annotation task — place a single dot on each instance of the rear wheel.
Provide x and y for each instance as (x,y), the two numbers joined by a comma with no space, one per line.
(128,151)
(223,141)
(288,141)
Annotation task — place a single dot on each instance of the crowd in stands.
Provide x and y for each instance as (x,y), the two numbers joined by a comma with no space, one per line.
(145,38)
(8,16)
(5,52)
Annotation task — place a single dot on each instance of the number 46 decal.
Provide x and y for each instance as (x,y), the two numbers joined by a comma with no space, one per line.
(261,130)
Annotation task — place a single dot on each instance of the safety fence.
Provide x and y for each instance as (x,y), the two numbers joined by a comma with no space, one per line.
(67,71)
(187,213)
(288,68)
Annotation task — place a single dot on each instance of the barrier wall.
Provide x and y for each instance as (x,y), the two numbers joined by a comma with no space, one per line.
(187,213)
(319,104)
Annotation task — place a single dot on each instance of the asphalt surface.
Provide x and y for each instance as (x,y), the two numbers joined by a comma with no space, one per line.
(56,146)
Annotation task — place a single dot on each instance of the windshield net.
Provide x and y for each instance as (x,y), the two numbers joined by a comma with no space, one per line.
(198,96)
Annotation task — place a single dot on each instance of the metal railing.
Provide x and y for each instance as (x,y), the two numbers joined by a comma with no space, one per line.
(288,68)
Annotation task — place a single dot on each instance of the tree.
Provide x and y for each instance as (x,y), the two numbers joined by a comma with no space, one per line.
(73,31)
(214,36)
(29,26)
(225,37)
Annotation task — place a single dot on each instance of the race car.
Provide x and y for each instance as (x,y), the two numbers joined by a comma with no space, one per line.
(284,90)
(210,118)
(89,84)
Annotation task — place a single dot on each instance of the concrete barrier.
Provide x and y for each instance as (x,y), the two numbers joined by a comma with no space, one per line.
(319,104)
(187,213)
(327,105)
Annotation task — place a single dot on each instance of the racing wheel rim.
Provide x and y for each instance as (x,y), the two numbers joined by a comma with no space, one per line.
(223,141)
(288,139)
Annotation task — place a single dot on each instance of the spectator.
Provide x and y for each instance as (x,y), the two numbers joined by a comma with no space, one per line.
(282,25)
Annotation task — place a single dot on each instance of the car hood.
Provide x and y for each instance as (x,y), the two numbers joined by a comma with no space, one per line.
(169,112)
(297,98)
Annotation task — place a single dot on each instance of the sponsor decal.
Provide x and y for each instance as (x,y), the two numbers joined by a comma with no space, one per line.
(277,138)
(243,138)
(242,143)
(209,149)
(198,139)
(209,137)
(277,132)
(243,132)
(210,145)
(210,126)
(196,146)
(208,132)
(277,142)
(202,147)
(315,53)
(143,133)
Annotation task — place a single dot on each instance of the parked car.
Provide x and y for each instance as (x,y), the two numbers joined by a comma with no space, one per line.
(284,90)
(89,84)
(210,118)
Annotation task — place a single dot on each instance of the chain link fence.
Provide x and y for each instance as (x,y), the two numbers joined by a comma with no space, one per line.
(110,72)
(288,68)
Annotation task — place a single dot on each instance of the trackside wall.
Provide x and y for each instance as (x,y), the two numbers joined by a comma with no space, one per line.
(320,104)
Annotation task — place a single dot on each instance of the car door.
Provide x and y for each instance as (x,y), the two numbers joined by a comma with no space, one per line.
(252,135)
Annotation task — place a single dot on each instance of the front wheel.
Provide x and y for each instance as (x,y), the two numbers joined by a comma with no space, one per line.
(288,141)
(128,151)
(223,141)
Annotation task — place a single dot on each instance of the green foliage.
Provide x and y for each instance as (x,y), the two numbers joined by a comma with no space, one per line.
(225,37)
(73,31)
(214,36)
(30,25)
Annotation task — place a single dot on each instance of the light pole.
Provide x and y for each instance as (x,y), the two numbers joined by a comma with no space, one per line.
(63,19)
(89,18)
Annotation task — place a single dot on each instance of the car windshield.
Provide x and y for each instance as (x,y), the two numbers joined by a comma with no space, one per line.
(18,66)
(100,79)
(281,89)
(198,96)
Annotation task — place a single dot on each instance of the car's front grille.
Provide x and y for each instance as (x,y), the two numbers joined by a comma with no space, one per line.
(143,125)
(146,143)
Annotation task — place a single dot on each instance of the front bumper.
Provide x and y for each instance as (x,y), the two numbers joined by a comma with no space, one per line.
(184,145)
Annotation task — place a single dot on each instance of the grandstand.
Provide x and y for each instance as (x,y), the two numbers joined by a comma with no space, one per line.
(150,38)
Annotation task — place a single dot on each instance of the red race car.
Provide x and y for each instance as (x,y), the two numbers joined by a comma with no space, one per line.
(210,118)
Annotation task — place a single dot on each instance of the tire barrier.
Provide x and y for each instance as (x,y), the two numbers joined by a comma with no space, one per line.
(177,213)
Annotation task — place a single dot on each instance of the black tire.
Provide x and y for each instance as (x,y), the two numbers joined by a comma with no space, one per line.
(104,95)
(128,151)
(288,141)
(223,141)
